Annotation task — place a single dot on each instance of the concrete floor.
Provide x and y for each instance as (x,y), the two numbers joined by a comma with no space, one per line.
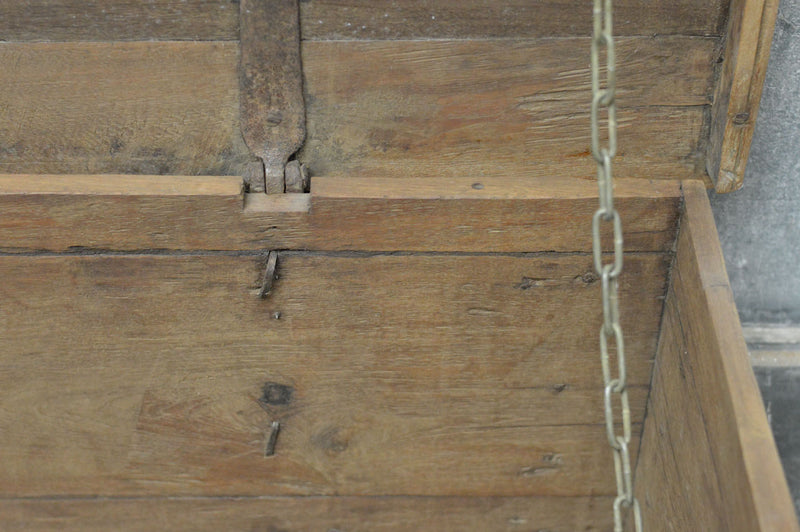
(759,228)
(779,388)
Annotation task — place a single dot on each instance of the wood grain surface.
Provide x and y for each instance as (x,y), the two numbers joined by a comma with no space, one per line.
(299,514)
(510,214)
(460,19)
(390,374)
(93,20)
(708,458)
(131,108)
(118,20)
(374,109)
(738,91)
(447,108)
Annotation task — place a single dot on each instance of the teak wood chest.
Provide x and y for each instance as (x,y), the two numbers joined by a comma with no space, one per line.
(411,345)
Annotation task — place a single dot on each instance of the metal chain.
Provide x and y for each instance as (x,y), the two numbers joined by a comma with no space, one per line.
(603,97)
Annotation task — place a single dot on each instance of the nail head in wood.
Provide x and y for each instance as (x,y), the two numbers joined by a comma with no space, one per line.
(741,118)
(269,275)
(272,439)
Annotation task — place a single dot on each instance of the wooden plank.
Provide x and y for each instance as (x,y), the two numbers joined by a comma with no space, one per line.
(129,213)
(434,109)
(708,459)
(426,19)
(463,217)
(138,108)
(738,91)
(448,108)
(120,185)
(118,20)
(390,374)
(92,20)
(296,514)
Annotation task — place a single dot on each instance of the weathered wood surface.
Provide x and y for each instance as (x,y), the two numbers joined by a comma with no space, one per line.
(132,108)
(447,108)
(424,19)
(299,514)
(118,20)
(738,91)
(708,459)
(405,215)
(430,109)
(92,20)
(513,214)
(390,374)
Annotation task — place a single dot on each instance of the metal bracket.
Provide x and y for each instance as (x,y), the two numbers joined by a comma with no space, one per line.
(273,118)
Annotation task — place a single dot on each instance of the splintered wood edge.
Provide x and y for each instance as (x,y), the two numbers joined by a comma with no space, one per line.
(515,214)
(751,26)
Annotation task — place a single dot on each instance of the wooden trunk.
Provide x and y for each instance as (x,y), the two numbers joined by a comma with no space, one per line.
(429,345)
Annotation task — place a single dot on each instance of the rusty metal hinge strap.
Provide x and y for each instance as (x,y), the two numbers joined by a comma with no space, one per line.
(273,118)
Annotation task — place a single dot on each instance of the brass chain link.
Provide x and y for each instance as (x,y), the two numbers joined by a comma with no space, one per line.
(603,97)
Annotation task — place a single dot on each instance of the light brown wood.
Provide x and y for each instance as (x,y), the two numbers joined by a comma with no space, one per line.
(708,459)
(82,20)
(100,186)
(485,214)
(425,19)
(509,214)
(299,514)
(738,92)
(133,108)
(390,374)
(447,108)
(433,109)
(118,20)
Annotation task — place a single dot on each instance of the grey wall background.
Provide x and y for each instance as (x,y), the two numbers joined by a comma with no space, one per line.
(759,226)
